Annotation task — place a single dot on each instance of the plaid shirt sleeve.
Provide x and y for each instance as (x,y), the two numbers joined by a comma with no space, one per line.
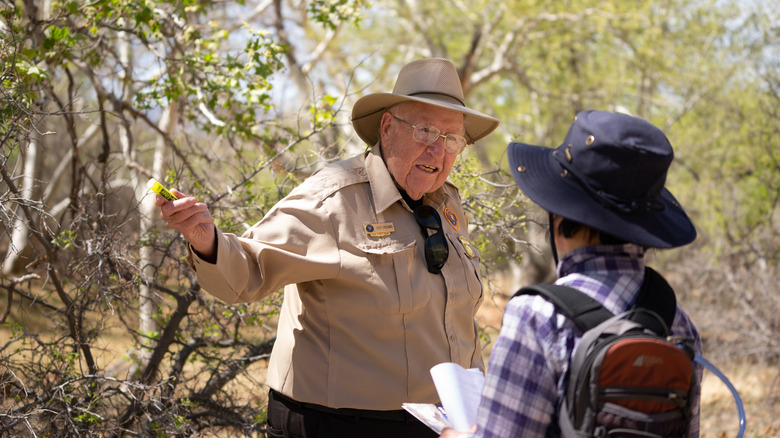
(521,387)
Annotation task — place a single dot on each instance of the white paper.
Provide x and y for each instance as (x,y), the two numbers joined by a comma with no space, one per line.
(459,390)
(429,414)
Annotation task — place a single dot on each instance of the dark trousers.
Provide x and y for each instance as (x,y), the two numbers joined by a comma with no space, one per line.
(288,418)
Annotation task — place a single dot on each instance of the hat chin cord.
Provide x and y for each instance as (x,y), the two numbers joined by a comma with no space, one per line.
(551,226)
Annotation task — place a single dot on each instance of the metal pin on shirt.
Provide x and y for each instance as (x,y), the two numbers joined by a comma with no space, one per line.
(467,247)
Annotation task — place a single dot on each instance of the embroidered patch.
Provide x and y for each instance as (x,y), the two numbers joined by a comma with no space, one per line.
(452,219)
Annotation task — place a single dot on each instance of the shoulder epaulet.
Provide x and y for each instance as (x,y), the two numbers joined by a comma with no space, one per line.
(332,178)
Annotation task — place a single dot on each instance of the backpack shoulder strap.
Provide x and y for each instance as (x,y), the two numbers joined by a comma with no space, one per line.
(656,295)
(583,310)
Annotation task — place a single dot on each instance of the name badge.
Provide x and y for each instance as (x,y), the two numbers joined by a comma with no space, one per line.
(379,230)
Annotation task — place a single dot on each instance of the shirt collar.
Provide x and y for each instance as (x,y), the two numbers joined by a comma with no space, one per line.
(382,185)
(611,274)
(601,258)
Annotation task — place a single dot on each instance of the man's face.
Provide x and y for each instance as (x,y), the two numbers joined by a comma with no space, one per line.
(418,169)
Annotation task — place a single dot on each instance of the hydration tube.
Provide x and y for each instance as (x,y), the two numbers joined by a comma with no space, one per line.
(740,407)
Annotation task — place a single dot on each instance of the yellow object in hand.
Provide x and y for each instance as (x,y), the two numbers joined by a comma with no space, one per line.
(156,187)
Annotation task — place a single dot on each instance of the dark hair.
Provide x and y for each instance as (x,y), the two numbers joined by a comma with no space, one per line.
(568,228)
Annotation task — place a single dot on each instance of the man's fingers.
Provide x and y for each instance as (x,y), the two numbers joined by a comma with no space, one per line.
(195,221)
(170,210)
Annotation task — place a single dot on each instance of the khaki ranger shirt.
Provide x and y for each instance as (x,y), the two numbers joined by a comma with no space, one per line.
(362,321)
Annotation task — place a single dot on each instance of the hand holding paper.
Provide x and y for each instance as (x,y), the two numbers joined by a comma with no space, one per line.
(459,390)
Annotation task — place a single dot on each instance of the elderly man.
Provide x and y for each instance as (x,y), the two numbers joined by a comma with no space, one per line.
(381,282)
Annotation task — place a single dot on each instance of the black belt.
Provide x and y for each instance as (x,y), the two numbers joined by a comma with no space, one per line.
(399,415)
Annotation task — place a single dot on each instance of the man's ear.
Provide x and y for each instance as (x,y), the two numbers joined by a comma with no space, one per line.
(384,125)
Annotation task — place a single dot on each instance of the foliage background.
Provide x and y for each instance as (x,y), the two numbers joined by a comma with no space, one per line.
(106,329)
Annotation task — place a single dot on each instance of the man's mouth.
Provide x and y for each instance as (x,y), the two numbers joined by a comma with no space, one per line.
(426,168)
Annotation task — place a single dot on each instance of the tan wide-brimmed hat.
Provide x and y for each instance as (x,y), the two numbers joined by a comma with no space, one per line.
(433,81)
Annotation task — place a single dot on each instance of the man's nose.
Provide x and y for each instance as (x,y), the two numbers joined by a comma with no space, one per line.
(437,147)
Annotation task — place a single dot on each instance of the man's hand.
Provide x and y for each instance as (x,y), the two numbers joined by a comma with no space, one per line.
(193,220)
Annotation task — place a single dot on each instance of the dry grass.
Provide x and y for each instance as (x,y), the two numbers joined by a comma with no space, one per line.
(755,385)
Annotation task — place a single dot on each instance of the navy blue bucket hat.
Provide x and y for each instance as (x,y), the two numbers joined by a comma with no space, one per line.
(608,174)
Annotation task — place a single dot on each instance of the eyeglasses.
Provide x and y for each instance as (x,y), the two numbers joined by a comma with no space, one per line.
(436,249)
(428,134)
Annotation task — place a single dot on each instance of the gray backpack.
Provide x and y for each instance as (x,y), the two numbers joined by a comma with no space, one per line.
(627,376)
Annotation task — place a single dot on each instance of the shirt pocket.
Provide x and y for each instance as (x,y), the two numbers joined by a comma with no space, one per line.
(469,257)
(393,264)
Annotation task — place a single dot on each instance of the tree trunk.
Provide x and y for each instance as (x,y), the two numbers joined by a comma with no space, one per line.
(20,238)
(149,212)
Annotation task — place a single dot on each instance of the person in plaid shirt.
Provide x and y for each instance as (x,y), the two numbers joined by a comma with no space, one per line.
(604,191)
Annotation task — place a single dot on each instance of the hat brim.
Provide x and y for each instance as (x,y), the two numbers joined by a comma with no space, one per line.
(367,114)
(539,175)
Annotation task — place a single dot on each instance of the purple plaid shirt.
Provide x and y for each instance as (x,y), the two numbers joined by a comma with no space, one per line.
(525,378)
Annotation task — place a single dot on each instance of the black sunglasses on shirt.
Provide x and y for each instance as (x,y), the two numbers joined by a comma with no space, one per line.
(436,249)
